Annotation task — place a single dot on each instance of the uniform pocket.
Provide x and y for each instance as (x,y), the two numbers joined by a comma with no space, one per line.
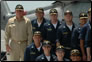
(13,27)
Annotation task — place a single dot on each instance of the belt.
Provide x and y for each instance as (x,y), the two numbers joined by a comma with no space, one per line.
(19,42)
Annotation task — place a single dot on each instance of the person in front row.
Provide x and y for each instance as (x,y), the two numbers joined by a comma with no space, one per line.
(35,49)
(60,53)
(75,55)
(47,55)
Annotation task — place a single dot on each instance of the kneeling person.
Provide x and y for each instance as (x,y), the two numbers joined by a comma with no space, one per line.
(35,49)
(47,56)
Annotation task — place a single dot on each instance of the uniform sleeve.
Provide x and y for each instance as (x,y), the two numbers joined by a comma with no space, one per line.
(27,55)
(30,33)
(7,33)
(74,39)
(83,33)
(88,38)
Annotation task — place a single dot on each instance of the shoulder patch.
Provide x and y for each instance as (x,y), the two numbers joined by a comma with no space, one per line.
(11,20)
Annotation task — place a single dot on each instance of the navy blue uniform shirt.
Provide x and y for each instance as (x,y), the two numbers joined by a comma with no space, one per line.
(42,57)
(75,41)
(64,35)
(83,32)
(50,32)
(31,53)
(35,26)
(64,38)
(88,38)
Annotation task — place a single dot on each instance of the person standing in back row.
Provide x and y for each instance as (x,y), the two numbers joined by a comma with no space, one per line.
(64,32)
(83,38)
(19,31)
(75,42)
(37,24)
(50,28)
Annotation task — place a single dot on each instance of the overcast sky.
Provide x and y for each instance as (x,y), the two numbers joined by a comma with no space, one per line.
(28,5)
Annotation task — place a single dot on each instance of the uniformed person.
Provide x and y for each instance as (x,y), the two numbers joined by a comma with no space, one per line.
(75,42)
(38,23)
(75,55)
(50,28)
(64,32)
(83,34)
(19,31)
(47,55)
(35,49)
(88,39)
(60,52)
(88,44)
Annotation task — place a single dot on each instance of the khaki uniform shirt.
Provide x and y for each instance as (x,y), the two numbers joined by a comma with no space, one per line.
(18,30)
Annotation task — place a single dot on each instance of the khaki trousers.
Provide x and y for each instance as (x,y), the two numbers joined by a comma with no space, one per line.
(17,51)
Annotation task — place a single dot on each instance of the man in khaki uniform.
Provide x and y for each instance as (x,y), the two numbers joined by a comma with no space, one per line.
(19,30)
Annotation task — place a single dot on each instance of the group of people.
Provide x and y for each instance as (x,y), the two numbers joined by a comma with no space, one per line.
(48,40)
